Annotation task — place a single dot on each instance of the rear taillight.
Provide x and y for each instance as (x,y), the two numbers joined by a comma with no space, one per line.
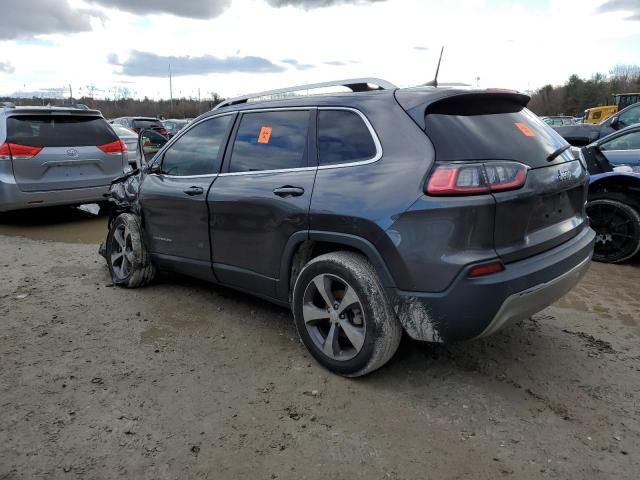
(163,132)
(476,178)
(18,152)
(114,148)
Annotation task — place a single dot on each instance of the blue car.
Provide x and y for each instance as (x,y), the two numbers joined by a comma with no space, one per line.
(614,194)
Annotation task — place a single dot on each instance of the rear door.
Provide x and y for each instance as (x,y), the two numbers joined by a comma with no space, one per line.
(549,208)
(263,196)
(63,150)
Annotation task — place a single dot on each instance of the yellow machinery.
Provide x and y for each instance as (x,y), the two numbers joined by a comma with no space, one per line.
(600,114)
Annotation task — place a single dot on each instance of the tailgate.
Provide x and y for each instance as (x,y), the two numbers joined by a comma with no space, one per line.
(65,154)
(548,208)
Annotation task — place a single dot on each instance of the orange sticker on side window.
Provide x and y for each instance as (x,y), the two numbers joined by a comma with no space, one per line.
(265,135)
(525,130)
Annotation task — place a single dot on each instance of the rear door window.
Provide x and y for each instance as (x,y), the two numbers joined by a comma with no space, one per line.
(271,141)
(343,137)
(490,129)
(58,130)
(198,151)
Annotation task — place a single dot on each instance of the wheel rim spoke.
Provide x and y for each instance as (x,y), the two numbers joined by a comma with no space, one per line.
(331,342)
(323,285)
(348,300)
(312,314)
(353,333)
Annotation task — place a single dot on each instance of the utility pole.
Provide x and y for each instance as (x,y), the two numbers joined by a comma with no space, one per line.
(70,93)
(170,90)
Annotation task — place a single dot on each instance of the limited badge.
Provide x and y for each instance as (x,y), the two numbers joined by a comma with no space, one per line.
(265,135)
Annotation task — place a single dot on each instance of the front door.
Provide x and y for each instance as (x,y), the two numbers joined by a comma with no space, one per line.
(173,198)
(263,196)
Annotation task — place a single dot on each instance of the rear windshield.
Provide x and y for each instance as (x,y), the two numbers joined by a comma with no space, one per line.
(144,123)
(487,129)
(58,131)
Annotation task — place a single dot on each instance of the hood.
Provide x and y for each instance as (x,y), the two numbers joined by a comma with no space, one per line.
(580,135)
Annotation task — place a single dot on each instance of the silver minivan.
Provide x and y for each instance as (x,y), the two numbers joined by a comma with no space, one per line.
(56,156)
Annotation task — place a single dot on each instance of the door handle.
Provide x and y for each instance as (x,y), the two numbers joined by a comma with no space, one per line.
(288,191)
(192,191)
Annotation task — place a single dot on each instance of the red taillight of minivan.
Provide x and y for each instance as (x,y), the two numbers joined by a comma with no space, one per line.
(18,152)
(476,178)
(114,148)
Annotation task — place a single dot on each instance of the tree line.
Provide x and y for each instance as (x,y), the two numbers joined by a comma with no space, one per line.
(578,94)
(126,106)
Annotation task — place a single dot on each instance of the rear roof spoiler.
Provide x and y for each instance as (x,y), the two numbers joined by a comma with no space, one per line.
(53,111)
(416,101)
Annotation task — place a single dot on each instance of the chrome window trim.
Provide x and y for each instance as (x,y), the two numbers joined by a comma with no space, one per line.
(372,132)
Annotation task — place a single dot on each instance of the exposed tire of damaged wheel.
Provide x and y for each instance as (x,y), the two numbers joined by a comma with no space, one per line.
(127,257)
(351,285)
(616,219)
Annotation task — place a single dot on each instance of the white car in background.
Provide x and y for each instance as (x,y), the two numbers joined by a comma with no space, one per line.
(130,139)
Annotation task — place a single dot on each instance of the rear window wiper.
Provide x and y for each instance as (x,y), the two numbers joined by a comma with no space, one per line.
(557,153)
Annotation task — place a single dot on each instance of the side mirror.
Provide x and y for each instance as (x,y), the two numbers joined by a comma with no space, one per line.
(149,143)
(615,123)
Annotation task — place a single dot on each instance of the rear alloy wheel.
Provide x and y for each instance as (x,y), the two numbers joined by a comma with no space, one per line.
(343,316)
(129,263)
(617,226)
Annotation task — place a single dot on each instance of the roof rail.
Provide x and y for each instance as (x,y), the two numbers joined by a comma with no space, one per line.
(355,84)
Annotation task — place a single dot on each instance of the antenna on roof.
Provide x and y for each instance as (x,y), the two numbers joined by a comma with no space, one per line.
(434,82)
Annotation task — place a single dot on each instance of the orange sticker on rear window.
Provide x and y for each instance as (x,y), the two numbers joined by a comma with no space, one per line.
(265,135)
(525,130)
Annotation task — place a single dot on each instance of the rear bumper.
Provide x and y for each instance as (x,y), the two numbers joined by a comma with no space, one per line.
(12,198)
(477,307)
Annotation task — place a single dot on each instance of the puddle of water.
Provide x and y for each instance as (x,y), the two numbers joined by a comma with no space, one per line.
(81,224)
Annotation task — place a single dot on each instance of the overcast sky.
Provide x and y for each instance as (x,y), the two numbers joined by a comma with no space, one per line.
(239,46)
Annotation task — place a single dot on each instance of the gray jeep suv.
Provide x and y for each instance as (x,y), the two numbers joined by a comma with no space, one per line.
(56,156)
(442,213)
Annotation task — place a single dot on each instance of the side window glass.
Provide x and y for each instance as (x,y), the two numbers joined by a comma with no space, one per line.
(199,150)
(630,117)
(271,141)
(630,141)
(343,137)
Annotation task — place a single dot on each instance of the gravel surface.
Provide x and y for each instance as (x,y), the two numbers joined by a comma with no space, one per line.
(184,380)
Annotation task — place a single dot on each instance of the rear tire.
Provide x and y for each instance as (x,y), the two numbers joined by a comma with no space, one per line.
(343,315)
(616,219)
(127,257)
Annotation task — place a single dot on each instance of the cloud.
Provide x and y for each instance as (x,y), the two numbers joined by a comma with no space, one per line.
(630,6)
(26,18)
(203,9)
(144,64)
(297,64)
(422,49)
(308,4)
(6,67)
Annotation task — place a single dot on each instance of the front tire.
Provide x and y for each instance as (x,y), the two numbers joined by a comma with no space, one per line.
(127,257)
(616,220)
(343,315)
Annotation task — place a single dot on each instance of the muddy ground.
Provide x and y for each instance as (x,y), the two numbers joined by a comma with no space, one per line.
(184,380)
